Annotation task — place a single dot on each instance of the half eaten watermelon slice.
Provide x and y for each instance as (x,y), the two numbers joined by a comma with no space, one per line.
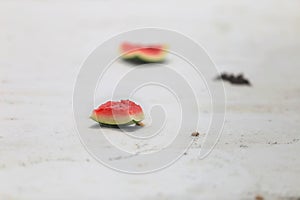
(145,53)
(124,112)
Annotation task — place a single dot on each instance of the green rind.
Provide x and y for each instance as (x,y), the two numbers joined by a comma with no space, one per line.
(116,125)
(145,58)
(132,121)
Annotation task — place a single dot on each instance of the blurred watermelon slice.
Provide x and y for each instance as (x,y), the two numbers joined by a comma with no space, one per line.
(145,53)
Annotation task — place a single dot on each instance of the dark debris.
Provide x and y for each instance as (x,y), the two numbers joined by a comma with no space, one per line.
(195,134)
(236,80)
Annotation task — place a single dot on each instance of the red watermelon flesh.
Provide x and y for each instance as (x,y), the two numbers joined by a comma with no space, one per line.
(118,113)
(147,53)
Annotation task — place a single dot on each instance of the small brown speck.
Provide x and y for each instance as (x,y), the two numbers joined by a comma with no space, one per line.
(140,124)
(195,134)
(258,197)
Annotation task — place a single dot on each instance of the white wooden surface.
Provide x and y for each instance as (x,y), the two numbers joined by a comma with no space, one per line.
(42,45)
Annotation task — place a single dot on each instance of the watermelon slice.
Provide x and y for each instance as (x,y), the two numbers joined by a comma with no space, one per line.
(124,112)
(145,53)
